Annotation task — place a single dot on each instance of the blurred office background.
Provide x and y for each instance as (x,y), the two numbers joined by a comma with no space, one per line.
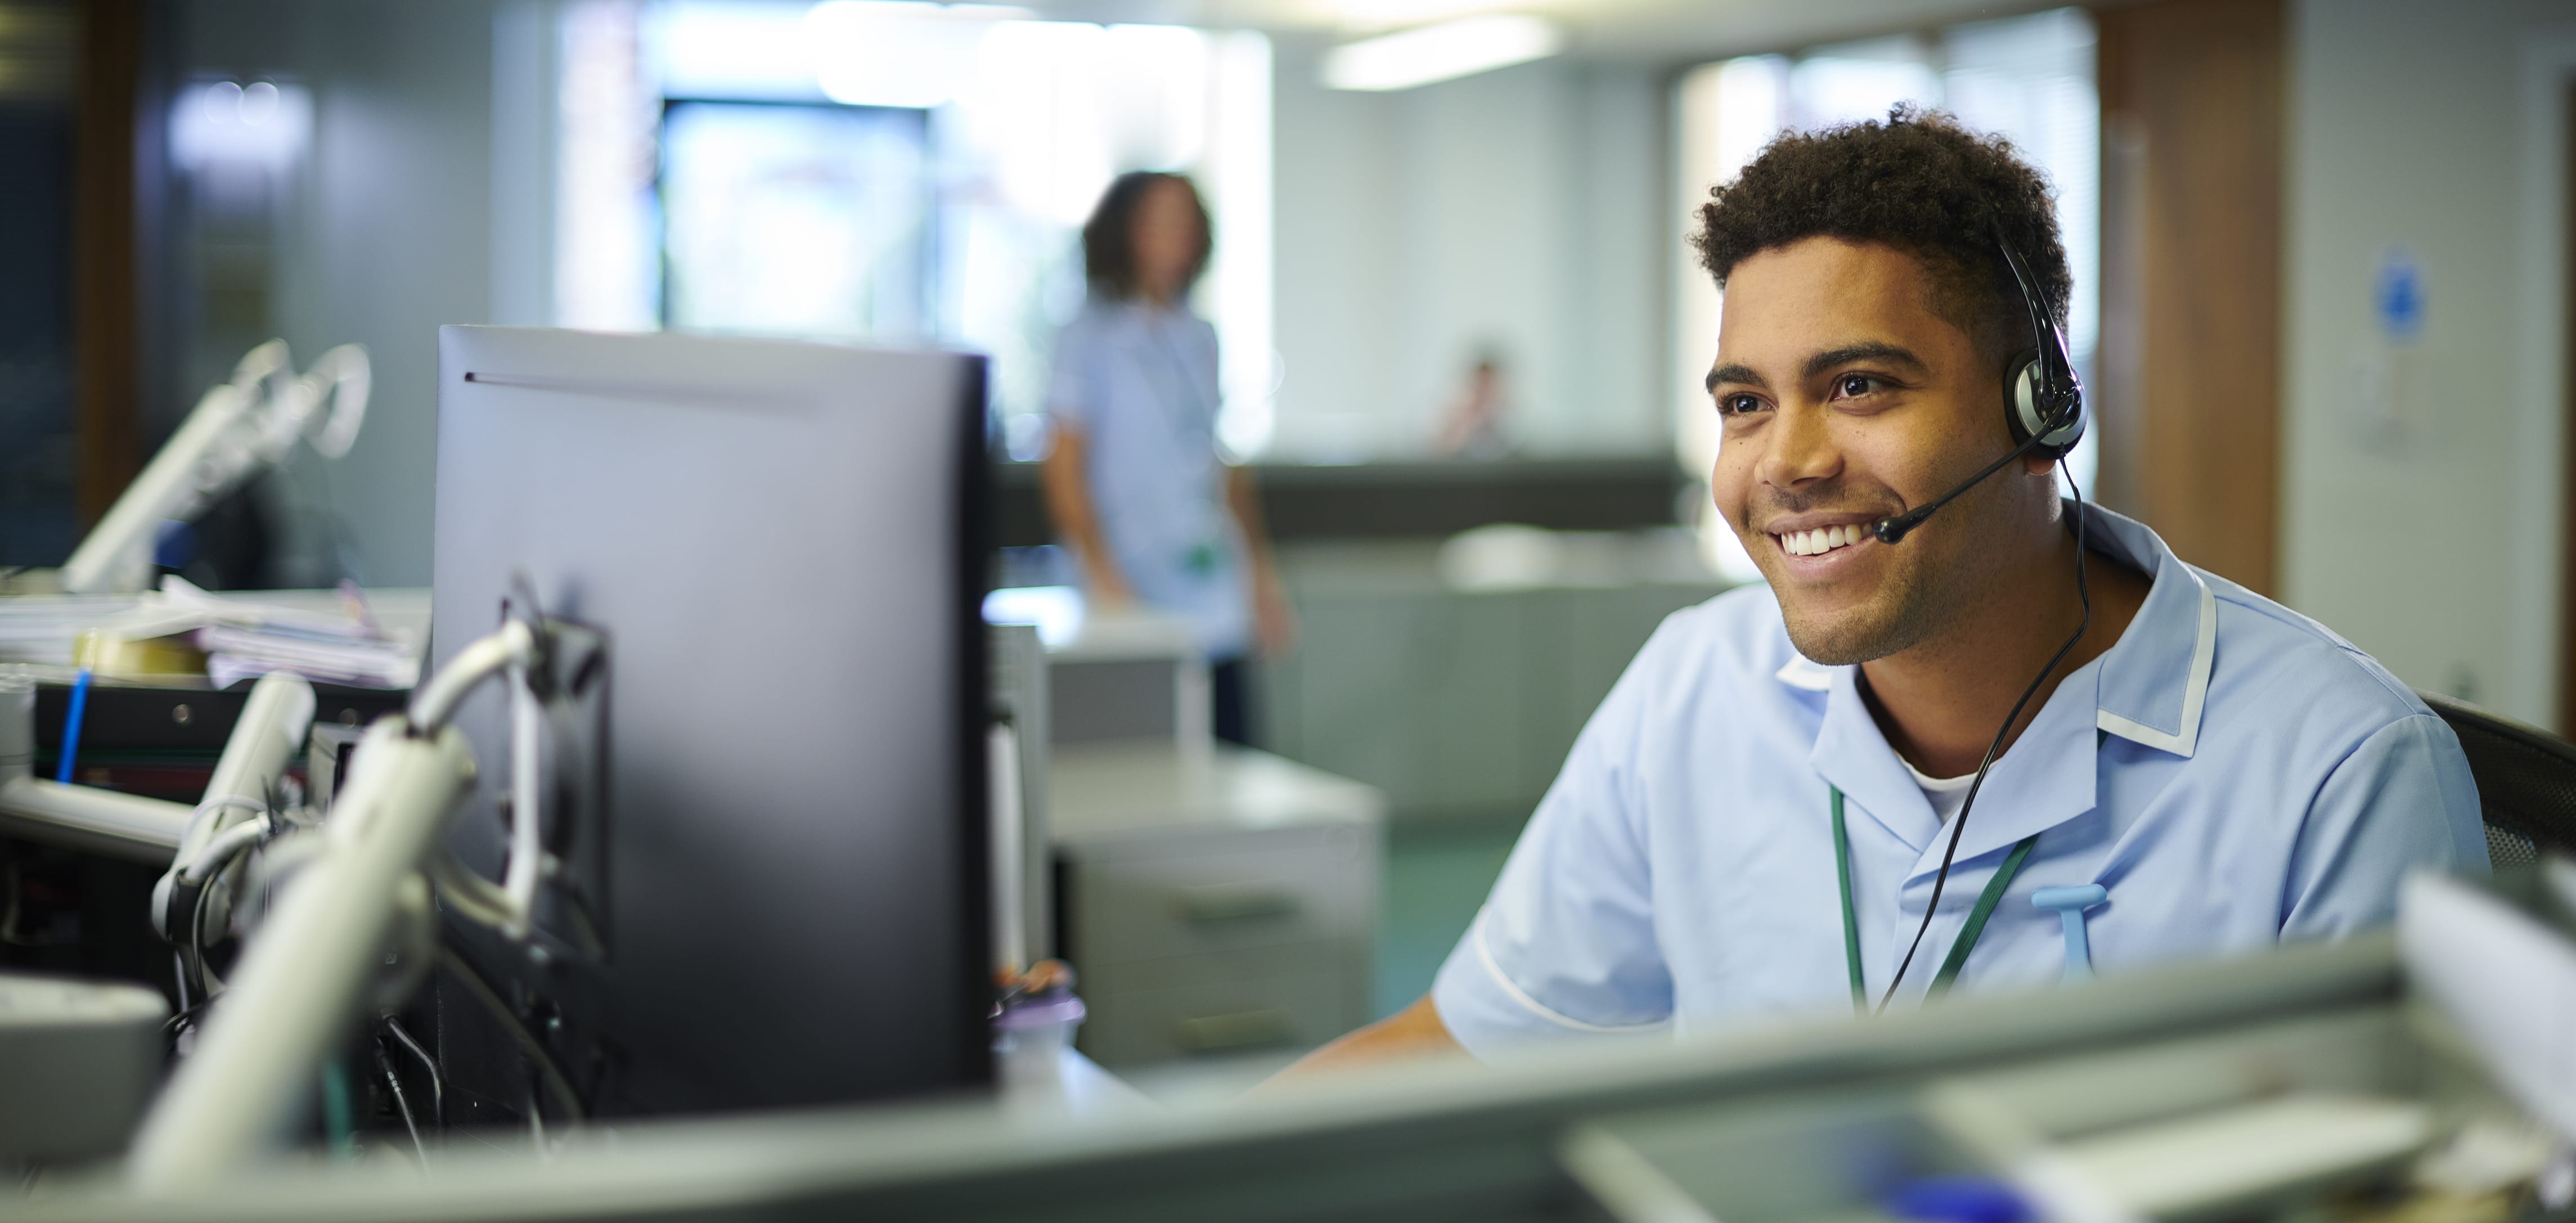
(2320,250)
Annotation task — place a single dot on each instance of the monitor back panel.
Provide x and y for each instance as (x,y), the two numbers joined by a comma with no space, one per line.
(781,544)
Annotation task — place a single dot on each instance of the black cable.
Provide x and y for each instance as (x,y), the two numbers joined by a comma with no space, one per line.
(181,1022)
(192,952)
(555,1080)
(402,1103)
(184,1016)
(1959,822)
(437,1083)
(9,913)
(196,956)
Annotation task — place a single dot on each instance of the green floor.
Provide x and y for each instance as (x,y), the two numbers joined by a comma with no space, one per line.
(1436,876)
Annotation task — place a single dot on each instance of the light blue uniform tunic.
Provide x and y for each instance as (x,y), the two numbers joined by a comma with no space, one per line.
(1141,384)
(2233,773)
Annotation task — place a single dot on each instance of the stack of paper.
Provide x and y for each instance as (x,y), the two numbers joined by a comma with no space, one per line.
(240,639)
(41,628)
(248,640)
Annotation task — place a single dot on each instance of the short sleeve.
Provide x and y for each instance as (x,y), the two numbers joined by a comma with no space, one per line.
(1566,945)
(1072,395)
(1209,370)
(2402,801)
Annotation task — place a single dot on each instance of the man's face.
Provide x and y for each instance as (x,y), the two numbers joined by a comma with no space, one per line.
(1844,399)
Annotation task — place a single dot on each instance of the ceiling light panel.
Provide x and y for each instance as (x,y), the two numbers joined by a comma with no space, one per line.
(1442,52)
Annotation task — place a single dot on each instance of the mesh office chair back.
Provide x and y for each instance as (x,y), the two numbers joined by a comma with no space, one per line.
(2526,781)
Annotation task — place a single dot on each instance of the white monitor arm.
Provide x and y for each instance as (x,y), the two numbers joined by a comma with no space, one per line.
(149,830)
(237,430)
(305,971)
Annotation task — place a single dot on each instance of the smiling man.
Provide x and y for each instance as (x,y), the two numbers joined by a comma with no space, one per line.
(1758,820)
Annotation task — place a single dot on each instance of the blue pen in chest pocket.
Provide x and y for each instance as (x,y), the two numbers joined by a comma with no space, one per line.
(2069,903)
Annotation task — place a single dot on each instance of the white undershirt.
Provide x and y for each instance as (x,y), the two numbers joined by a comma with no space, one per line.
(1944,793)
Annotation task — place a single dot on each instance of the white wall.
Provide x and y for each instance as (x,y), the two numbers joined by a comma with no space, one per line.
(1521,208)
(1518,208)
(391,230)
(2436,550)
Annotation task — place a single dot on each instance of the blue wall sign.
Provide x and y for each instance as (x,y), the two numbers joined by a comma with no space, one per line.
(2398,295)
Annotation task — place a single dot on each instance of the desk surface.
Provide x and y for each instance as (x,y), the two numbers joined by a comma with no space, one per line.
(1113,789)
(1381,1145)
(1062,1082)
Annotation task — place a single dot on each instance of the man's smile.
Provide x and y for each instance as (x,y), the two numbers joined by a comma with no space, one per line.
(1816,543)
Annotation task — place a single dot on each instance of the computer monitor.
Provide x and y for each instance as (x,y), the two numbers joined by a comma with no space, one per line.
(782,546)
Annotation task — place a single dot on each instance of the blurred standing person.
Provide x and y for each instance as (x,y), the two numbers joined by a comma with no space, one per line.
(1134,481)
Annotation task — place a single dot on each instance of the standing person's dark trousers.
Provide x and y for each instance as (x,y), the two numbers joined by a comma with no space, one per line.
(1230,691)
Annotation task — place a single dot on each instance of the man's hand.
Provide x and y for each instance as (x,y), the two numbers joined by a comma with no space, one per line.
(1412,1033)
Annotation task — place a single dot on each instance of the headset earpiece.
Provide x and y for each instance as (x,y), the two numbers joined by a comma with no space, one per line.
(2042,398)
(2026,417)
(2043,405)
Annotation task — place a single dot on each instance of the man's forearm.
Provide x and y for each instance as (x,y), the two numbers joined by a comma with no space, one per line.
(1413,1033)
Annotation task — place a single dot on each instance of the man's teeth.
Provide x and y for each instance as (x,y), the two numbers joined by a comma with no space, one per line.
(1822,539)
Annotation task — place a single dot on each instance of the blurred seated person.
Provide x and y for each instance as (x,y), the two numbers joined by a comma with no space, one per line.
(1134,481)
(1472,426)
(1890,769)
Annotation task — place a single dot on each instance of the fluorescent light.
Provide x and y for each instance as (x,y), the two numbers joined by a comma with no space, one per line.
(897,52)
(1441,52)
(264,124)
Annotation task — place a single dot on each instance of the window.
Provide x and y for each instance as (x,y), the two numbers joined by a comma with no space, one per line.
(898,172)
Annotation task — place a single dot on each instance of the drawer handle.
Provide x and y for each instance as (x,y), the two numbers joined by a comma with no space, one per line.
(1235,1032)
(1212,903)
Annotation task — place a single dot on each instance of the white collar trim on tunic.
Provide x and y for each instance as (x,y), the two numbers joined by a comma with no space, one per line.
(1800,673)
(2143,679)
(2147,676)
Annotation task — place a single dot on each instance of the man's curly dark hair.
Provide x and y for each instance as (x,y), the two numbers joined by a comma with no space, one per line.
(1917,182)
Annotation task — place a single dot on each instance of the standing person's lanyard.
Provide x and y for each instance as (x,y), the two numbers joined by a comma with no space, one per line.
(1185,405)
(1967,941)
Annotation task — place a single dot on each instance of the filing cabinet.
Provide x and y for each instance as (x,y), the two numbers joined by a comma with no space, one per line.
(1215,901)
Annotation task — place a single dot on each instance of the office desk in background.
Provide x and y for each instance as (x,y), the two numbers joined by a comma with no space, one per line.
(1215,901)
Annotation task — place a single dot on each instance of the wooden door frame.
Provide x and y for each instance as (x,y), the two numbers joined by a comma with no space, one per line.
(2194,192)
(2540,620)
(2540,603)
(106,359)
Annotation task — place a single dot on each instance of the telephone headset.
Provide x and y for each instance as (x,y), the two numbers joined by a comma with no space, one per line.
(2044,405)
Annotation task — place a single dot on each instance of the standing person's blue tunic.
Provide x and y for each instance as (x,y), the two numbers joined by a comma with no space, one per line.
(1140,382)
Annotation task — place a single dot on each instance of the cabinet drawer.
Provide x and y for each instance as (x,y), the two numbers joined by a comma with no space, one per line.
(1350,960)
(1279,1015)
(1197,897)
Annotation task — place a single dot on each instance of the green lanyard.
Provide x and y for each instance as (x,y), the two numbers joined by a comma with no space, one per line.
(1976,925)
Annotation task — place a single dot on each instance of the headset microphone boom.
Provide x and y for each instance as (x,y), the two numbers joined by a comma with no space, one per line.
(2044,406)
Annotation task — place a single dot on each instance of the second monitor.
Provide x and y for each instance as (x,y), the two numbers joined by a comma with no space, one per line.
(781,545)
